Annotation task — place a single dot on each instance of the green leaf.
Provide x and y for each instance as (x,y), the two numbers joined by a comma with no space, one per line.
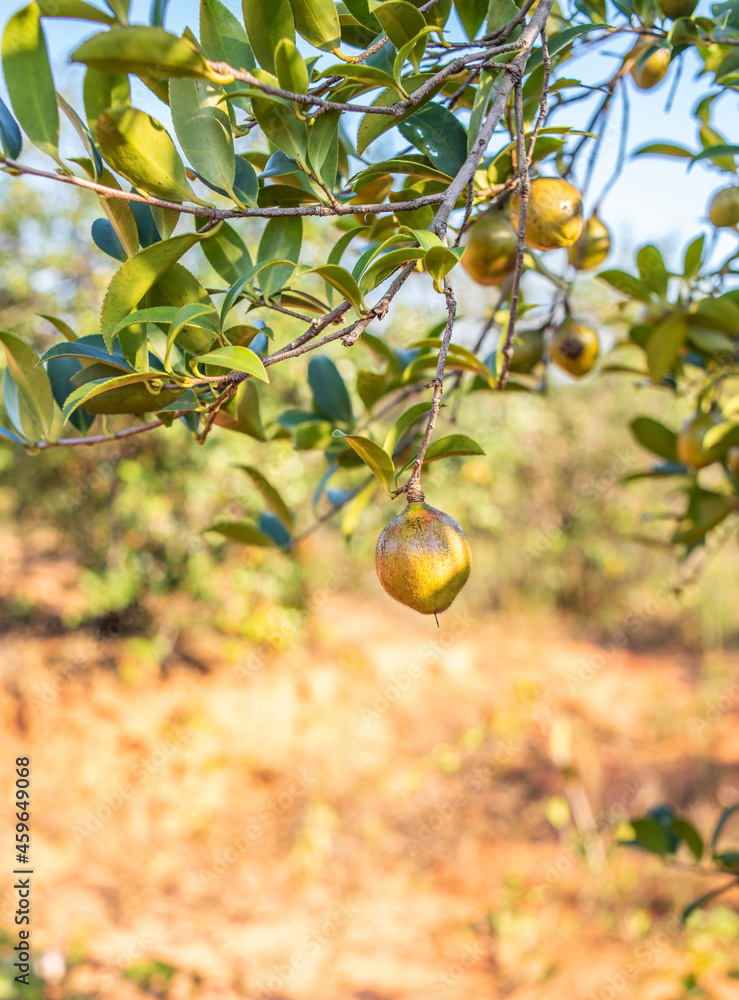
(60,372)
(156,314)
(655,437)
(690,835)
(89,390)
(197,315)
(471,14)
(237,359)
(11,141)
(74,9)
(356,507)
(64,328)
(650,835)
(723,819)
(693,257)
(32,381)
(706,898)
(451,446)
(340,279)
(29,80)
(271,496)
(401,22)
(267,21)
(279,124)
(242,413)
(725,433)
(664,149)
(384,266)
(204,131)
(403,423)
(223,37)
(241,531)
(372,126)
(664,345)
(330,394)
(83,132)
(500,13)
(717,153)
(281,238)
(652,270)
(480,105)
(374,457)
(290,67)
(705,511)
(439,261)
(439,134)
(317,21)
(627,284)
(144,50)
(227,254)
(140,273)
(80,349)
(120,9)
(138,147)
(361,73)
(323,147)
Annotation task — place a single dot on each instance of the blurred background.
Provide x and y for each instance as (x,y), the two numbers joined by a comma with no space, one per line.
(254,775)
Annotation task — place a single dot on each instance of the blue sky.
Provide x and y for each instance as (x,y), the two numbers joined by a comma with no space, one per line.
(655,200)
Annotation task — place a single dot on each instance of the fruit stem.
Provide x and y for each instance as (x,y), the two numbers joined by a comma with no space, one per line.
(414,493)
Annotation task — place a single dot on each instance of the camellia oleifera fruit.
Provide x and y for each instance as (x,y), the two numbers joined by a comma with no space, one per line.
(528,350)
(648,72)
(724,210)
(677,8)
(691,449)
(423,558)
(593,246)
(490,253)
(554,214)
(574,347)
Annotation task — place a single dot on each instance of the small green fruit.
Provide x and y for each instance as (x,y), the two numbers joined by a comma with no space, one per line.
(528,350)
(491,249)
(678,8)
(592,247)
(724,210)
(423,558)
(647,74)
(554,214)
(574,347)
(690,447)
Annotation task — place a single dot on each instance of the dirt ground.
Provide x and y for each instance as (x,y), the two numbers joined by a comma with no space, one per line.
(382,811)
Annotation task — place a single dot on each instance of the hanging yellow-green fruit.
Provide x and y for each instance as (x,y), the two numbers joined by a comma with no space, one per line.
(554,214)
(528,350)
(574,347)
(647,73)
(490,253)
(724,210)
(423,558)
(592,247)
(691,449)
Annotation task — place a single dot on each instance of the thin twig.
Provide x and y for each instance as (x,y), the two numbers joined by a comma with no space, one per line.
(412,487)
(524,188)
(544,100)
(621,159)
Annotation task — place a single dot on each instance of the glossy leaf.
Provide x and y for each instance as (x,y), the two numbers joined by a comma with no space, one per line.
(650,835)
(241,531)
(237,359)
(693,257)
(242,413)
(655,437)
(149,51)
(278,122)
(267,21)
(32,381)
(223,37)
(330,394)
(11,141)
(83,348)
(401,22)
(317,21)
(90,390)
(292,73)
(664,345)
(75,9)
(204,130)
(138,147)
(29,81)
(690,835)
(60,371)
(271,496)
(471,13)
(374,457)
(664,149)
(281,238)
(133,280)
(323,147)
(106,239)
(451,446)
(340,279)
(439,134)
(626,284)
(404,422)
(227,254)
(383,267)
(439,261)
